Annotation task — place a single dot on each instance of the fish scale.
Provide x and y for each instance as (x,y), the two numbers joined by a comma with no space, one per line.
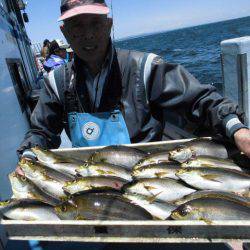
(103,169)
(64,165)
(197,147)
(118,155)
(101,206)
(210,209)
(167,190)
(162,170)
(38,175)
(215,179)
(93,183)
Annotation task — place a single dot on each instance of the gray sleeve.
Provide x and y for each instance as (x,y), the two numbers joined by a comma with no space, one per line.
(173,88)
(46,120)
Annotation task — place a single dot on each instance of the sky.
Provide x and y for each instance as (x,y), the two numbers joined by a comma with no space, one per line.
(136,17)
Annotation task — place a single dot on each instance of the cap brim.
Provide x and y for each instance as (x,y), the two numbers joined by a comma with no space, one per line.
(69,50)
(64,46)
(86,9)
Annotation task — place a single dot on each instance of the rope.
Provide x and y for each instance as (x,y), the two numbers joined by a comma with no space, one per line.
(113,27)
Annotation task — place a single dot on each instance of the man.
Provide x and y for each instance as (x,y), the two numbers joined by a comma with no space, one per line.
(108,96)
(45,49)
(57,57)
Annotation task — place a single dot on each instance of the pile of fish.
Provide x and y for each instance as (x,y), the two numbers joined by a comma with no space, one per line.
(195,181)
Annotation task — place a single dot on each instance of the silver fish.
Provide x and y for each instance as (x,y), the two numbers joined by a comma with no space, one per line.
(64,165)
(162,170)
(209,161)
(155,158)
(93,183)
(39,176)
(213,194)
(103,170)
(216,179)
(198,147)
(118,155)
(31,212)
(22,188)
(101,206)
(158,209)
(167,190)
(211,209)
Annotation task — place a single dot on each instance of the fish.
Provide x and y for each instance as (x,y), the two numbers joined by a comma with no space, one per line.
(103,170)
(216,179)
(93,183)
(212,194)
(101,206)
(155,158)
(29,211)
(8,204)
(118,155)
(211,209)
(209,161)
(38,175)
(197,147)
(166,190)
(158,209)
(22,188)
(161,170)
(64,165)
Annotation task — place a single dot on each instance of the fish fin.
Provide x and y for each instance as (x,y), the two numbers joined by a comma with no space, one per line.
(245,194)
(80,217)
(153,198)
(211,177)
(71,202)
(149,188)
(161,174)
(207,221)
(58,160)
(103,172)
(206,165)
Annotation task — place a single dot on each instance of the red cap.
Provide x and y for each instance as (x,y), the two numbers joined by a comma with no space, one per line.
(70,8)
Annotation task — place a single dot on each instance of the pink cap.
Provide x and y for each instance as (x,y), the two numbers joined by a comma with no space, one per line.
(71,8)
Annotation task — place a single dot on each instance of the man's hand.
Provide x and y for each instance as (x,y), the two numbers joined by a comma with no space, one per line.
(242,140)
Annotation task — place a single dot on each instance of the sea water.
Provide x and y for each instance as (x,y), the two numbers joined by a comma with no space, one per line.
(196,48)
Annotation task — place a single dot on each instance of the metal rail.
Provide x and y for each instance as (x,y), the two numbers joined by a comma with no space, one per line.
(130,231)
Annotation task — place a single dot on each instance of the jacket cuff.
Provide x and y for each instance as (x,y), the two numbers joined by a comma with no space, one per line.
(232,124)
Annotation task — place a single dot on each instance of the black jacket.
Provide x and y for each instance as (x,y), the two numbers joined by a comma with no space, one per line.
(143,86)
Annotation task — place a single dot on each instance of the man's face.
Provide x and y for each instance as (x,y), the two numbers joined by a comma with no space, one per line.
(62,53)
(88,35)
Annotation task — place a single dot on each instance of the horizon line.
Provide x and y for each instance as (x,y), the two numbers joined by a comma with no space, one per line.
(174,29)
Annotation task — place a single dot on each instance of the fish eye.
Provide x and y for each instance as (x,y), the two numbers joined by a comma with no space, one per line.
(23,178)
(185,210)
(64,209)
(86,165)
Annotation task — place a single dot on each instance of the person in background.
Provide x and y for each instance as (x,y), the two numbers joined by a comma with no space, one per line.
(57,56)
(107,96)
(45,49)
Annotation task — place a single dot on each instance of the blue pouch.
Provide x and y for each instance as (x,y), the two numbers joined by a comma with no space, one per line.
(100,129)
